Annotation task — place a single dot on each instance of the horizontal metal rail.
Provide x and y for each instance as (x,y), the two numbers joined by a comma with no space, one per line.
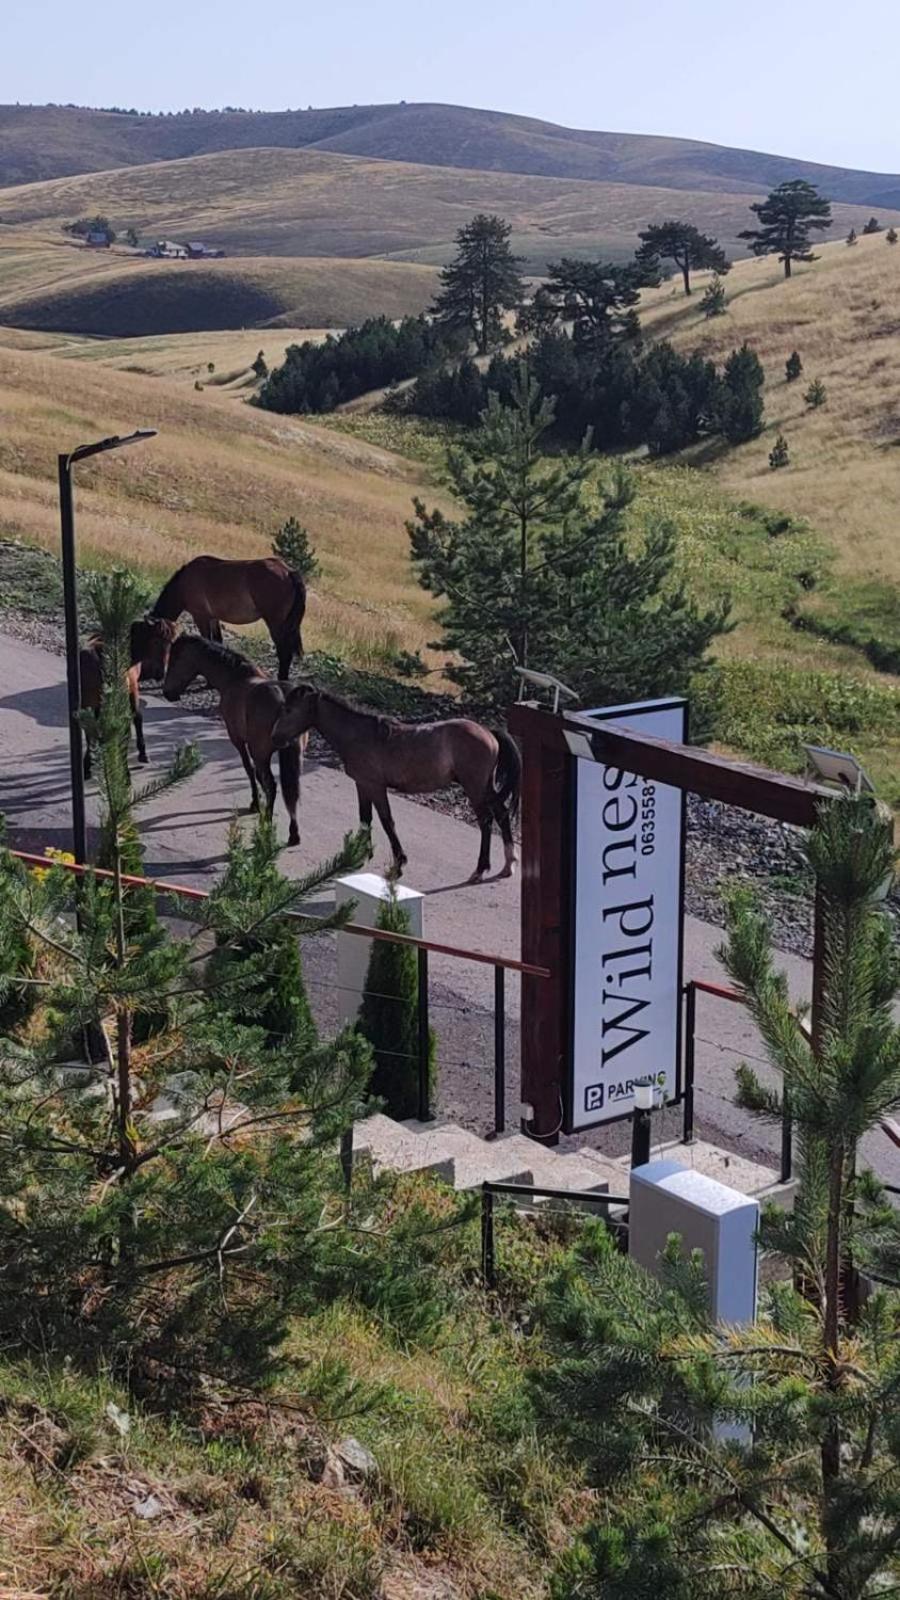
(491,1191)
(161,887)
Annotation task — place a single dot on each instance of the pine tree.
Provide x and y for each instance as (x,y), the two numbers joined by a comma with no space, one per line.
(713,302)
(481,282)
(293,544)
(816,395)
(793,367)
(389,1018)
(148,1221)
(787,217)
(779,455)
(260,366)
(764,1461)
(872,226)
(131,238)
(684,244)
(596,297)
(739,409)
(852,237)
(536,574)
(892,236)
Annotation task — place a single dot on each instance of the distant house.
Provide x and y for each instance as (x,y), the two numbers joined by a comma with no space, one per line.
(198,251)
(168,250)
(97,239)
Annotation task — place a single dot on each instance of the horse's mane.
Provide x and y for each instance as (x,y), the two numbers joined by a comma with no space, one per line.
(223,653)
(383,726)
(165,591)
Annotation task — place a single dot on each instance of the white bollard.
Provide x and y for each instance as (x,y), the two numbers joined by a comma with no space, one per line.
(370,893)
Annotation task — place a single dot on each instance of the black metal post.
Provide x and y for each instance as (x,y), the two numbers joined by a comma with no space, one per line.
(690,1028)
(347,1157)
(499,1050)
(424,1038)
(488,1268)
(640,1137)
(73,674)
(787,1139)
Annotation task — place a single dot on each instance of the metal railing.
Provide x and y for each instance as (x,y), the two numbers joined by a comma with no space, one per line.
(721,991)
(424,947)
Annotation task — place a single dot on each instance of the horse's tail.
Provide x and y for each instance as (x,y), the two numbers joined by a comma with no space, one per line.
(508,772)
(291,626)
(289,772)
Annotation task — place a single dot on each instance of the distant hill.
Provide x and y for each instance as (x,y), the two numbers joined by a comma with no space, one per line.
(38,142)
(310,202)
(126,298)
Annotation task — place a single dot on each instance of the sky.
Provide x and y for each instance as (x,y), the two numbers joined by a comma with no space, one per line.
(806,78)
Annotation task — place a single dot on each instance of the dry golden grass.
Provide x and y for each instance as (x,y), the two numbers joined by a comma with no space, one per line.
(278,202)
(221,477)
(184,356)
(51,284)
(843,316)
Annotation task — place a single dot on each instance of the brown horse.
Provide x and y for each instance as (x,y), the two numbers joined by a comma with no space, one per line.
(251,703)
(214,591)
(150,642)
(380,753)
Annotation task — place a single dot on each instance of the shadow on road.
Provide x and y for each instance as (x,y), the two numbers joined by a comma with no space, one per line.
(47,707)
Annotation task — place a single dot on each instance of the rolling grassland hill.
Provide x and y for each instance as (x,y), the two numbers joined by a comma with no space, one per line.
(308,203)
(49,284)
(221,477)
(49,141)
(842,315)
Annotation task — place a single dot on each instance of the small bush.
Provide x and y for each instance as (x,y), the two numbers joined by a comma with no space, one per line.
(816,395)
(261,365)
(389,1017)
(793,367)
(852,236)
(292,543)
(779,455)
(872,226)
(713,301)
(892,236)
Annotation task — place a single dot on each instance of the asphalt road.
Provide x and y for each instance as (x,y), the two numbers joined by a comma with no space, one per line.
(184,835)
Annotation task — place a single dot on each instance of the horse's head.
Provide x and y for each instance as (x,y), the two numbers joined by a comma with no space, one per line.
(182,666)
(151,641)
(298,716)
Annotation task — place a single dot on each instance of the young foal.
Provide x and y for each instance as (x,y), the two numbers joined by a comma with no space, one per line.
(251,703)
(380,753)
(215,590)
(151,640)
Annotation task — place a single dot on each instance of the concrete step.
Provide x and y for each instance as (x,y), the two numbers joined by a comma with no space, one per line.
(392,1146)
(475,1161)
(737,1171)
(554,1169)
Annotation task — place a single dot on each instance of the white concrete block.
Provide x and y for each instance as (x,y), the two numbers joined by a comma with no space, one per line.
(709,1216)
(369,891)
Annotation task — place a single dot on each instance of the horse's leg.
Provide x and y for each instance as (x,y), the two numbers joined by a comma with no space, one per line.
(383,807)
(87,759)
(365,815)
(248,768)
(501,815)
(267,780)
(136,716)
(284,651)
(483,815)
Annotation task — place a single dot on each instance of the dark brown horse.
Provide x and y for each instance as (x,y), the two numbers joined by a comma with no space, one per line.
(380,753)
(251,703)
(150,642)
(215,591)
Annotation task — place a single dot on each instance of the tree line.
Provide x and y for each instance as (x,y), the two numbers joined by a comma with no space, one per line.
(319,377)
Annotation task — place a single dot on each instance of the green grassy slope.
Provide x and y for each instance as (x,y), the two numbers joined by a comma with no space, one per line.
(46,141)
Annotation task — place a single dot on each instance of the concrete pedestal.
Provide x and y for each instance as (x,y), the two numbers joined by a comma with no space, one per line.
(668,1198)
(370,892)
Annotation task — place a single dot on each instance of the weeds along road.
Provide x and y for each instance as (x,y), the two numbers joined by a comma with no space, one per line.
(184,834)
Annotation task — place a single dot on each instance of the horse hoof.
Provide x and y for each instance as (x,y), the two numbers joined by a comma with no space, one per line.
(509,871)
(294,836)
(477,876)
(144,760)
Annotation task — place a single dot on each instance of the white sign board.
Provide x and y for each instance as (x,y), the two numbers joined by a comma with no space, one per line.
(626,939)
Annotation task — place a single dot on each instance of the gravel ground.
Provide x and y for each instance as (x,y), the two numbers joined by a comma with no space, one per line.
(723,843)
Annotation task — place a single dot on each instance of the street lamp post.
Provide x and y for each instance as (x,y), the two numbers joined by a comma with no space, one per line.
(70,602)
